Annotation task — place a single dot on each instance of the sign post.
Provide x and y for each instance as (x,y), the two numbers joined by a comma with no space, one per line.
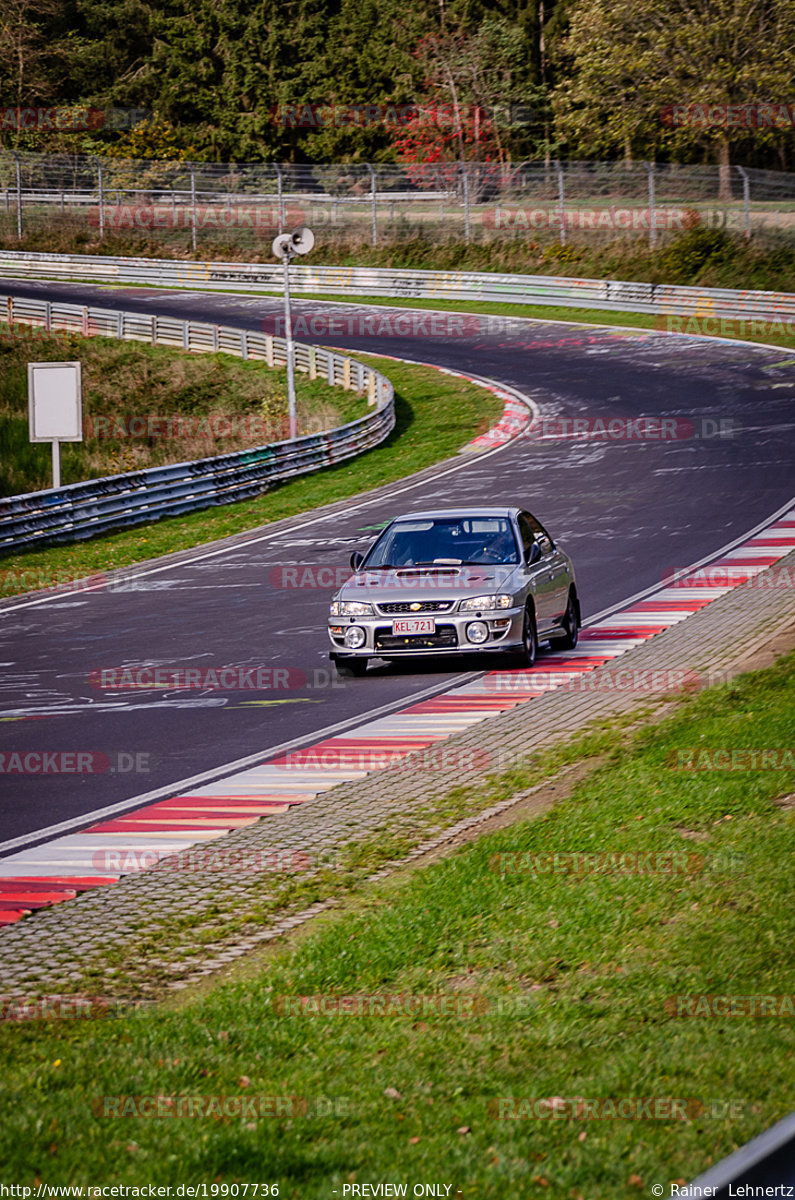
(285,245)
(55,407)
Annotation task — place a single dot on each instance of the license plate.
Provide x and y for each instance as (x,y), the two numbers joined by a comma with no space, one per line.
(414,625)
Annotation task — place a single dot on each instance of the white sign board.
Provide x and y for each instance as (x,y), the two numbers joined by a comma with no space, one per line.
(55,409)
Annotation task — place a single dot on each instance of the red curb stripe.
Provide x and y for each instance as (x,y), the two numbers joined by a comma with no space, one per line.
(31,891)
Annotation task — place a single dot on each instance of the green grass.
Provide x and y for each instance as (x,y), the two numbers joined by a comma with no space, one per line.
(701,256)
(198,393)
(576,969)
(436,415)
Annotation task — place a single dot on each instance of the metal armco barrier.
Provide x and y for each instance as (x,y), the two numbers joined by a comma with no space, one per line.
(81,510)
(608,294)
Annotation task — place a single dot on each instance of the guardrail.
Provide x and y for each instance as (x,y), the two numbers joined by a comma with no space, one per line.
(608,294)
(81,510)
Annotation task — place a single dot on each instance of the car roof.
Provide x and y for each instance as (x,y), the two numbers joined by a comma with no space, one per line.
(463,510)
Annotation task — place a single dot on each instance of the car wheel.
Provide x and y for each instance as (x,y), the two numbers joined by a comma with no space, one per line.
(350,668)
(571,627)
(529,649)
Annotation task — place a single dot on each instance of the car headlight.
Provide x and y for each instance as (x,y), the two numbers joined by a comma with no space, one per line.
(350,608)
(478,602)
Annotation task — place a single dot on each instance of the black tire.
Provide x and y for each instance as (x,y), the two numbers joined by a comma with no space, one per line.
(529,651)
(351,668)
(571,626)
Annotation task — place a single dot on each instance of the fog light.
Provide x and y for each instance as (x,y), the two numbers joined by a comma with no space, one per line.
(478,632)
(355,637)
(502,623)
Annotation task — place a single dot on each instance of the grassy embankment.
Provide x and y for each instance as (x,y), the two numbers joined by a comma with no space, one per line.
(542,983)
(436,415)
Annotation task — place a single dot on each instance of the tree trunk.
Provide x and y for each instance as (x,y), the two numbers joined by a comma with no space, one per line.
(724,169)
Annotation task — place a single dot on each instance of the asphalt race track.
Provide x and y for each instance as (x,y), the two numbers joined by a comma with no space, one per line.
(627,510)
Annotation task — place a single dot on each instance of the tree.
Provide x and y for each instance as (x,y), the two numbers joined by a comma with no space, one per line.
(473,85)
(25,53)
(626,65)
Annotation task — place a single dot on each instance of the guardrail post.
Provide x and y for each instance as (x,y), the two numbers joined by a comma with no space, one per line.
(746,201)
(186,335)
(101,200)
(193,218)
(19,194)
(243,344)
(120,326)
(561,202)
(269,356)
(375,210)
(154,330)
(48,316)
(371,396)
(652,207)
(312,362)
(84,320)
(465,184)
(280,196)
(10,310)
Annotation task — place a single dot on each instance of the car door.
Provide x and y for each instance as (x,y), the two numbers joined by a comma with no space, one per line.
(556,566)
(539,577)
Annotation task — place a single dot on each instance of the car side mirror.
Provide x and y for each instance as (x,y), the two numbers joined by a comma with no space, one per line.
(533,554)
(357,558)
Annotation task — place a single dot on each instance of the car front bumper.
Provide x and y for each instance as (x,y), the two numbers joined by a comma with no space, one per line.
(451,635)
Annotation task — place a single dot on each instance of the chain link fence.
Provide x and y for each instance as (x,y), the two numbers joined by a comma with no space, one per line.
(184,206)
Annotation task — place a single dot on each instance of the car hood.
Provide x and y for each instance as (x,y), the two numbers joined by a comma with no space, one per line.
(427,583)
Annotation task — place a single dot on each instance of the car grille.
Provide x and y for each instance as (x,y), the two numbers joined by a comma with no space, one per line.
(444,638)
(425,606)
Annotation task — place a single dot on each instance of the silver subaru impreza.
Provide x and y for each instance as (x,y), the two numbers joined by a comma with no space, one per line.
(455,581)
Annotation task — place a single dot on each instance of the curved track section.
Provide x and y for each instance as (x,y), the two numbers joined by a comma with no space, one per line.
(628,508)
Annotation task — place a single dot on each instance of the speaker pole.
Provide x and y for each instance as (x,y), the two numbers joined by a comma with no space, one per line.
(288,337)
(285,245)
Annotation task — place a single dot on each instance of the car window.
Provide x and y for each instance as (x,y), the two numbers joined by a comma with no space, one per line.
(528,534)
(473,539)
(539,533)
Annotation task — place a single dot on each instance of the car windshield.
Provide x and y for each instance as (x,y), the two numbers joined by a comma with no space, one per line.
(440,541)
